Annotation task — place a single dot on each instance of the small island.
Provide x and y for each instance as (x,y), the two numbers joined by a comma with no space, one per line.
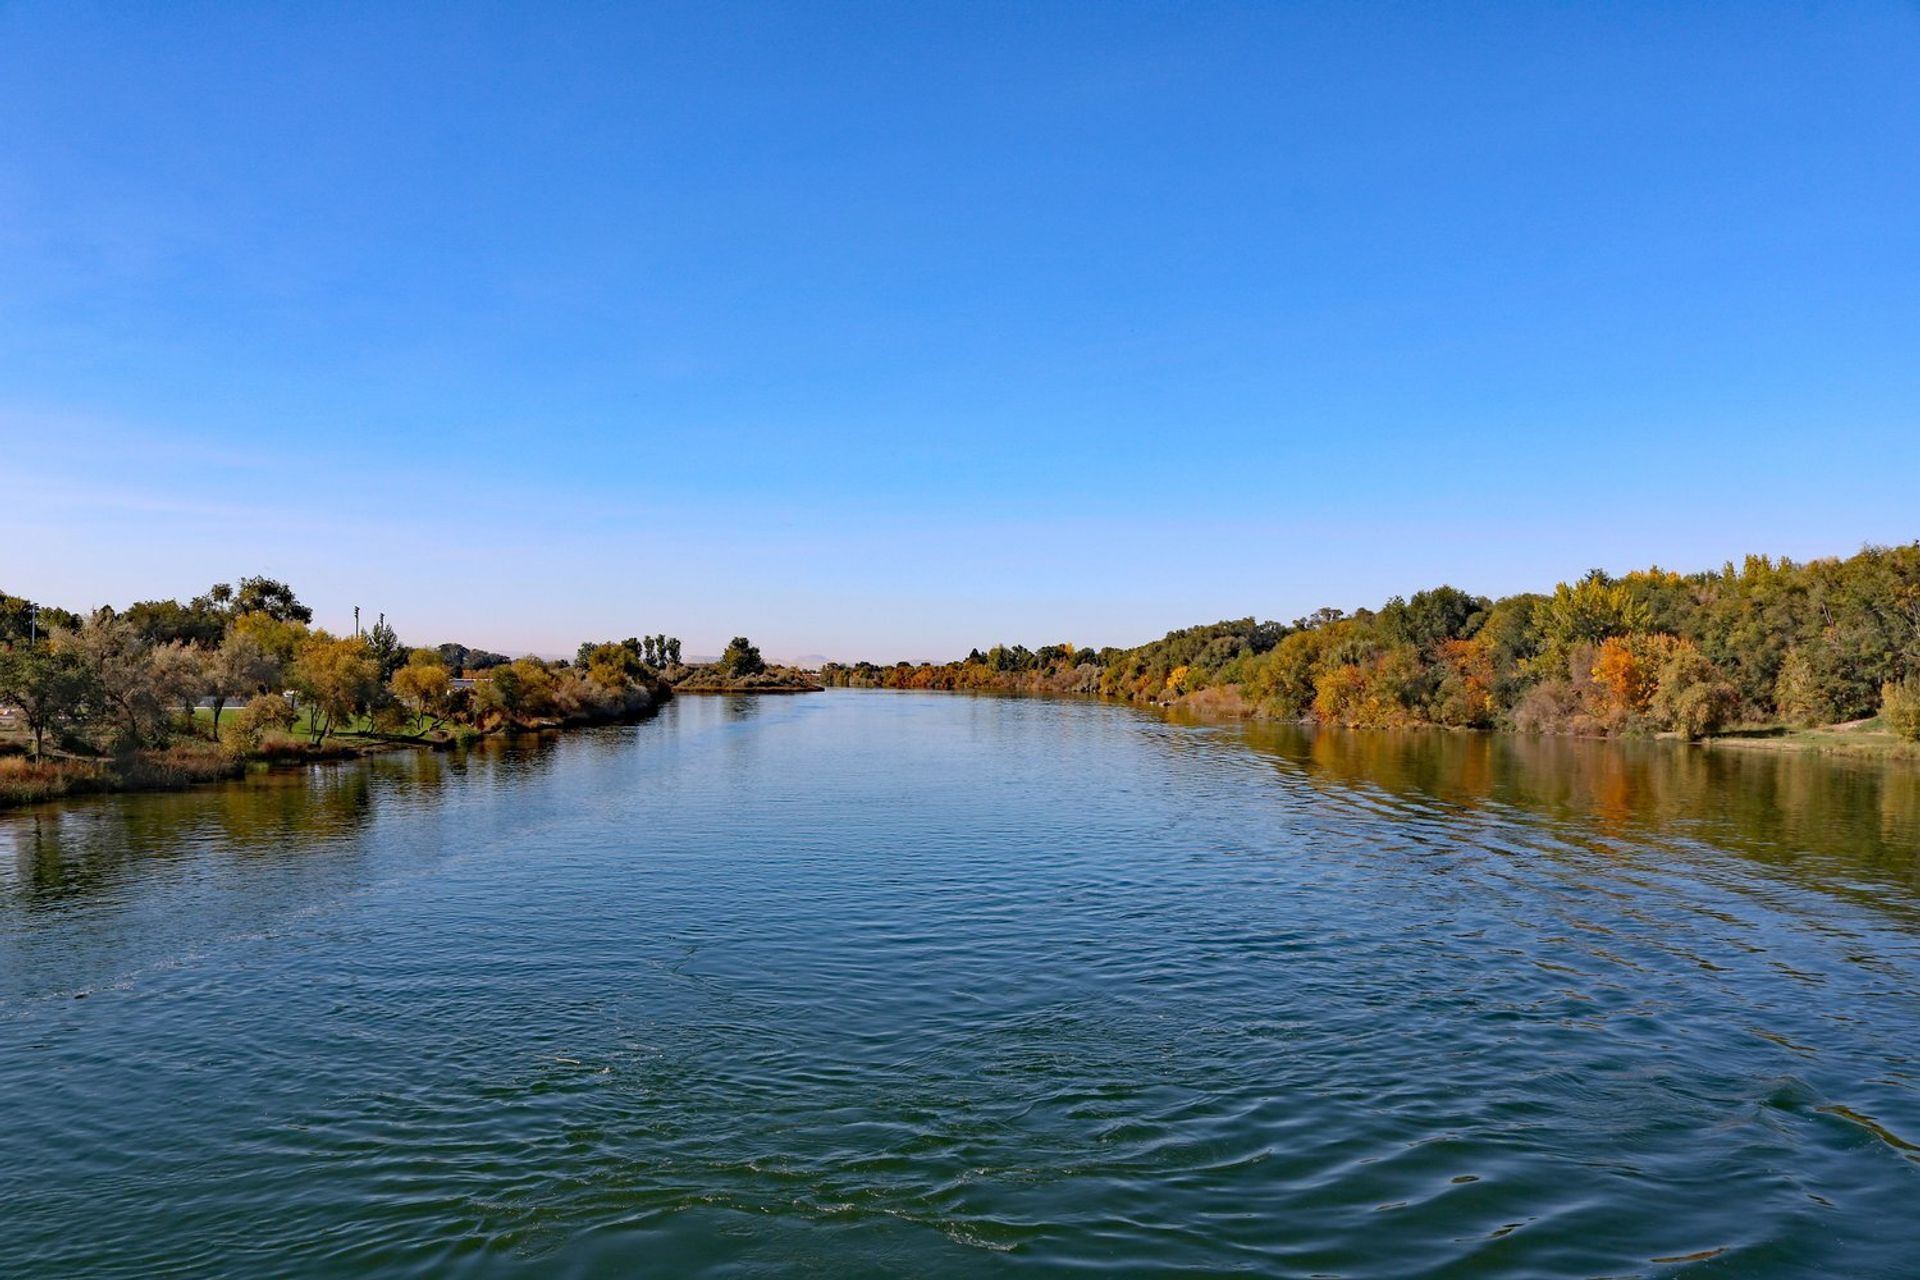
(740,669)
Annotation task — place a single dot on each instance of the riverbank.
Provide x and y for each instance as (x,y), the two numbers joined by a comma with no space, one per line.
(1859,739)
(714,679)
(1866,739)
(196,762)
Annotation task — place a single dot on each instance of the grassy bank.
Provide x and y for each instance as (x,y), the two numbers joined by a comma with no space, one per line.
(1862,739)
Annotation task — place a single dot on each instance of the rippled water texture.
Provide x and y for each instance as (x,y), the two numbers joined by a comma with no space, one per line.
(888,984)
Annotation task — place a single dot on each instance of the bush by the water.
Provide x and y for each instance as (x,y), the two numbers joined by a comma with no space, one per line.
(24,781)
(1900,708)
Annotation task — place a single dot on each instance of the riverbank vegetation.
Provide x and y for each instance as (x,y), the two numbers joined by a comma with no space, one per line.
(1761,644)
(740,669)
(165,694)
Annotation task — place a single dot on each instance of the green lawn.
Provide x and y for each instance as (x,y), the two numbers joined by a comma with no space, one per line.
(302,725)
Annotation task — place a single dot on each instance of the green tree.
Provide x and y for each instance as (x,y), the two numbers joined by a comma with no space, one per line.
(16,618)
(500,691)
(1432,618)
(271,597)
(51,687)
(22,621)
(1591,610)
(741,658)
(1690,695)
(169,621)
(385,647)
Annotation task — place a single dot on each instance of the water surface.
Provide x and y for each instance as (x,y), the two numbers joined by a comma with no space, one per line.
(879,984)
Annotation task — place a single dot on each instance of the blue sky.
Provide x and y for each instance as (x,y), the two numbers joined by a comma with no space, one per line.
(882,331)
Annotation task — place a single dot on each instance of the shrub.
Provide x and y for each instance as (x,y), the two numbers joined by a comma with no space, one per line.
(1691,698)
(271,711)
(25,781)
(239,738)
(1552,706)
(178,766)
(1900,707)
(263,714)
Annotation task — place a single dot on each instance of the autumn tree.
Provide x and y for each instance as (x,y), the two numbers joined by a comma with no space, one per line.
(1623,679)
(1463,694)
(1800,696)
(250,725)
(1900,707)
(337,678)
(422,686)
(617,666)
(521,688)
(279,638)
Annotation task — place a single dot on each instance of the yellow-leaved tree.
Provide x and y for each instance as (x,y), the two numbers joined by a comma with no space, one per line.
(422,686)
(337,679)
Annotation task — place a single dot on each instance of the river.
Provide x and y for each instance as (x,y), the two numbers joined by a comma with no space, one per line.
(883,984)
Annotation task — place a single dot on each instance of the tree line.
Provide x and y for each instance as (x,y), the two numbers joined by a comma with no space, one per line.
(134,678)
(1764,642)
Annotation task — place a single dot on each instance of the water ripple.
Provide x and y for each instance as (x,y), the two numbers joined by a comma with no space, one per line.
(873,984)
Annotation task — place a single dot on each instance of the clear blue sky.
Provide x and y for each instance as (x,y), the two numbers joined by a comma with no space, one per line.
(881,331)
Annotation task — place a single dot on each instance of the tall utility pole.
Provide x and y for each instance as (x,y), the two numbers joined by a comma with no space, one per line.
(33,625)
(356,622)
